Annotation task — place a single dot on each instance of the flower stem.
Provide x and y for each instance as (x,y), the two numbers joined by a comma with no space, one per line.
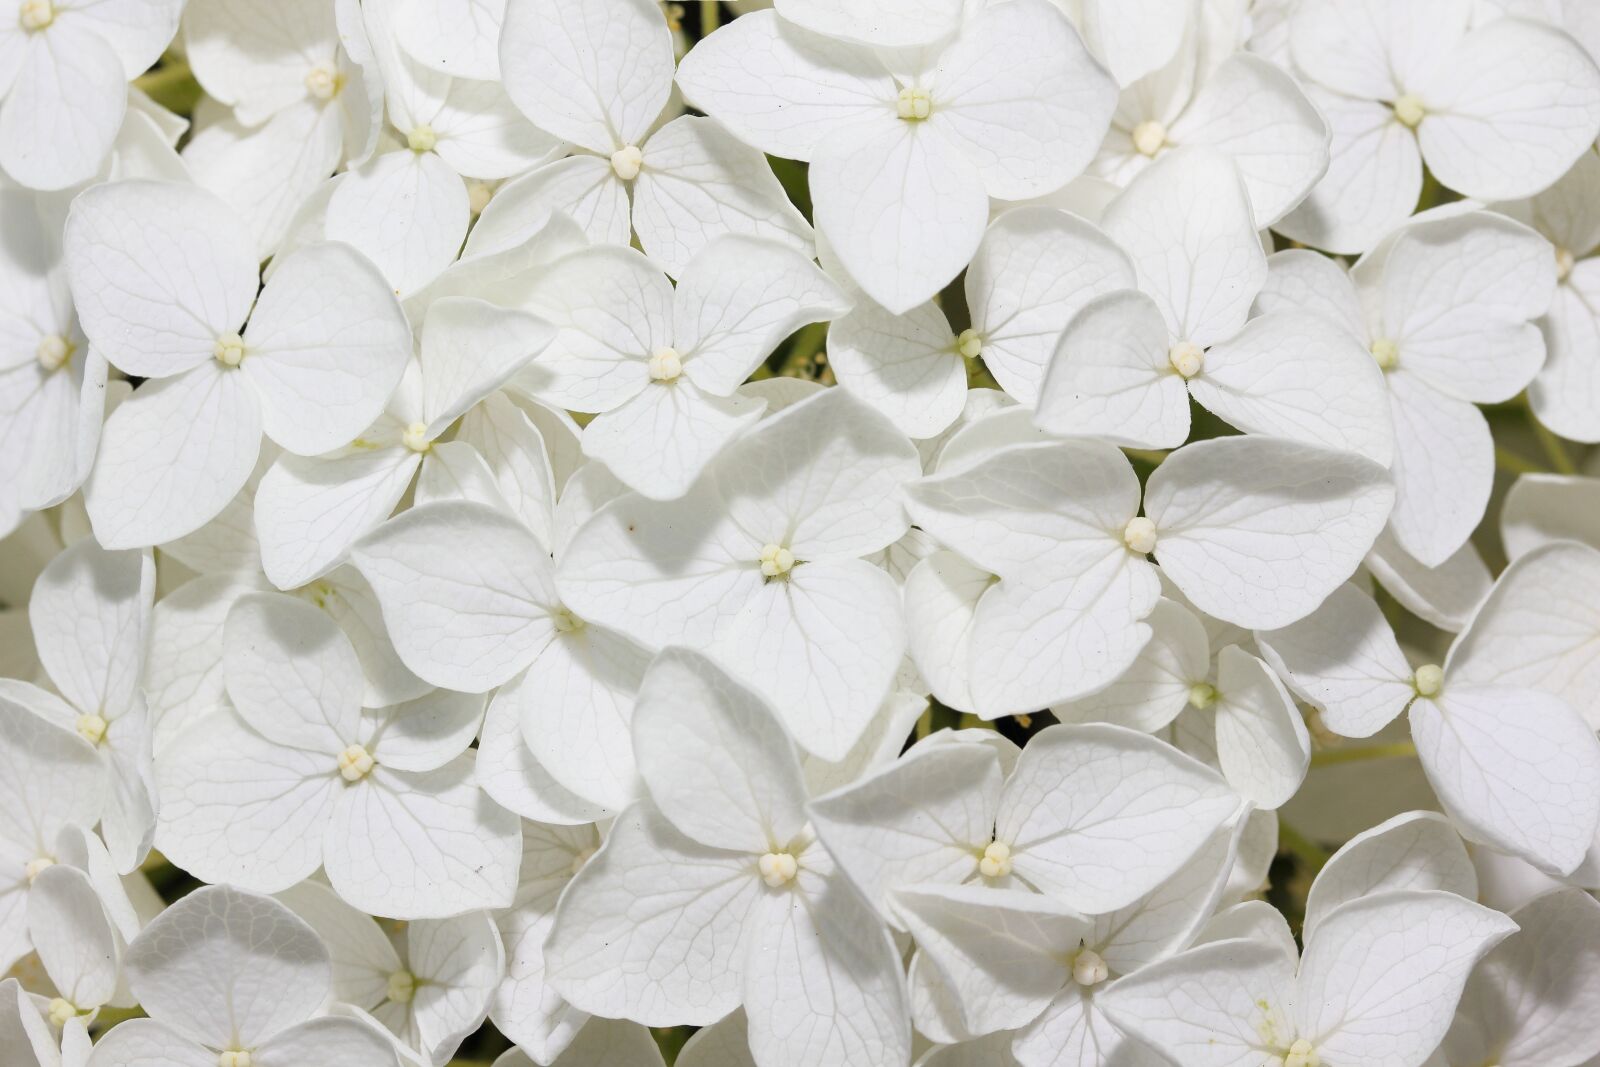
(1301,847)
(1512,463)
(710,16)
(1334,756)
(1553,448)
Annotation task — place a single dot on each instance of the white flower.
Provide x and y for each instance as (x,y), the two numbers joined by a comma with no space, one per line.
(1242,106)
(599,75)
(968,809)
(905,150)
(90,612)
(165,278)
(53,779)
(299,105)
(430,984)
(662,365)
(1059,526)
(760,565)
(407,206)
(77,943)
(1129,362)
(384,801)
(52,384)
(1034,269)
(230,978)
(715,893)
(1414,850)
(1446,308)
(1376,986)
(1497,112)
(459,37)
(1019,961)
(64,69)
(1515,768)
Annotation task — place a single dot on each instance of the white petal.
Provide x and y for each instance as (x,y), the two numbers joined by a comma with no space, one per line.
(1295,375)
(783,89)
(1566,393)
(1035,268)
(326,345)
(1258,115)
(254,59)
(460,961)
(1443,468)
(1262,743)
(363,956)
(461,37)
(73,937)
(905,366)
(1376,51)
(594,74)
(515,780)
(469,349)
(1513,107)
(202,966)
(1022,98)
(292,674)
(161,271)
(1133,37)
(652,928)
(942,594)
(1514,768)
(1208,1005)
(90,610)
(1299,279)
(896,24)
(1417,850)
(823,982)
(1304,516)
(1151,692)
(1538,628)
(582,187)
(63,107)
(150,485)
(343,1041)
(1073,781)
(466,592)
(147,1043)
(700,182)
(1204,281)
(1446,595)
(481,134)
(237,808)
(1343,659)
(406,211)
(510,442)
(1111,376)
(658,442)
(418,845)
(902,206)
(1380,981)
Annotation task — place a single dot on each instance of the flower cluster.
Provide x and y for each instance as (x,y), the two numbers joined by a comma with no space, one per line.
(826,533)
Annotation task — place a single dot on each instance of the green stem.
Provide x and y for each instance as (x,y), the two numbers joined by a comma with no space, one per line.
(710,16)
(1512,463)
(1553,448)
(1301,847)
(1335,756)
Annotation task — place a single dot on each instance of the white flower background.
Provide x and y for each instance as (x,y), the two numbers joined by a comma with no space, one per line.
(836,533)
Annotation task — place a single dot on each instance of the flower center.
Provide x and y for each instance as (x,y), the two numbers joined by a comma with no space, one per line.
(402,987)
(1387,353)
(969,344)
(324,83)
(53,352)
(1089,968)
(35,866)
(1302,1054)
(1202,695)
(1428,680)
(914,105)
(777,868)
(566,622)
(1149,137)
(996,860)
(580,858)
(1409,110)
(665,365)
(92,728)
(627,162)
(62,1010)
(776,561)
(355,763)
(1565,261)
(1186,358)
(229,349)
(415,437)
(36,14)
(422,139)
(1140,536)
(235,1058)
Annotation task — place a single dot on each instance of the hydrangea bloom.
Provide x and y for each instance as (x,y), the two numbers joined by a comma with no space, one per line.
(799,533)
